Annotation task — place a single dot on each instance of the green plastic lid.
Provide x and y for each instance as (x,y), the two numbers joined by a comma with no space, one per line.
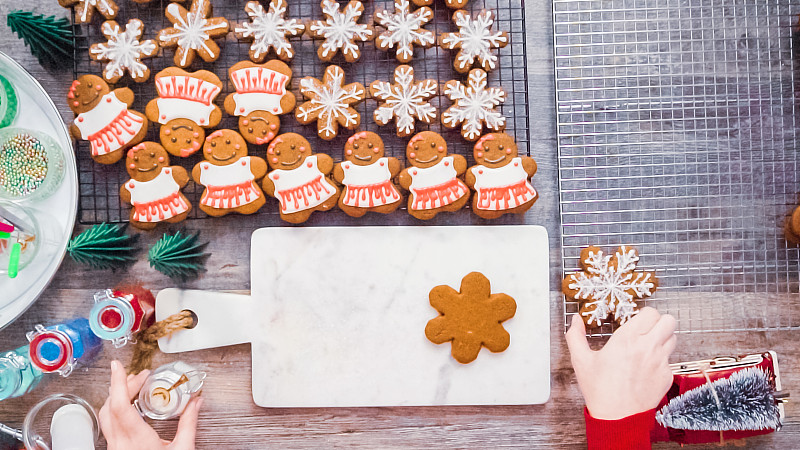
(8,103)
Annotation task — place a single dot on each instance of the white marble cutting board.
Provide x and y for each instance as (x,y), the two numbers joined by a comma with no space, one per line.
(337,316)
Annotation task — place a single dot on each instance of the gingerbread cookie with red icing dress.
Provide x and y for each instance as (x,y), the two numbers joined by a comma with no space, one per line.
(366,175)
(262,93)
(184,108)
(433,178)
(501,177)
(229,175)
(103,118)
(154,189)
(299,178)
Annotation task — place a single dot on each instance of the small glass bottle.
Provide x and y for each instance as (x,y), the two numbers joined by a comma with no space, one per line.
(117,315)
(17,375)
(168,390)
(59,348)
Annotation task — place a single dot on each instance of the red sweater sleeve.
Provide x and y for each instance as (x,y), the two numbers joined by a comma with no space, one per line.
(630,433)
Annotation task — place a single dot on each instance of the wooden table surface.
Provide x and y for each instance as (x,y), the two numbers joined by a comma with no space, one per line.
(230,419)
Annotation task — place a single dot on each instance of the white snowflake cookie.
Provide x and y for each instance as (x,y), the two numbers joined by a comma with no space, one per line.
(330,103)
(608,284)
(85,9)
(269,30)
(474,40)
(404,30)
(192,32)
(340,30)
(404,101)
(124,51)
(474,105)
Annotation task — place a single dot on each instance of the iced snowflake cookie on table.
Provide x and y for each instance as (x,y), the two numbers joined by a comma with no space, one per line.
(366,175)
(103,118)
(124,51)
(269,30)
(474,105)
(340,30)
(85,9)
(404,101)
(330,103)
(608,284)
(433,177)
(193,32)
(262,93)
(500,178)
(154,189)
(474,40)
(184,108)
(299,179)
(470,318)
(404,29)
(229,175)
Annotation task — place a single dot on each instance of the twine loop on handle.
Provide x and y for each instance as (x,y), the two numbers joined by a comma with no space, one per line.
(147,342)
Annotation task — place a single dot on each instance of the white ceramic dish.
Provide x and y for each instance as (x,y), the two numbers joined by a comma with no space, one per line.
(37,112)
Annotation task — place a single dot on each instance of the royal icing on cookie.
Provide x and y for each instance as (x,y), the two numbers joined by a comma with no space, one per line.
(302,188)
(436,186)
(124,51)
(368,186)
(473,105)
(330,102)
(109,126)
(258,89)
(228,186)
(84,9)
(185,97)
(269,30)
(192,32)
(340,30)
(404,30)
(158,199)
(404,101)
(503,187)
(475,40)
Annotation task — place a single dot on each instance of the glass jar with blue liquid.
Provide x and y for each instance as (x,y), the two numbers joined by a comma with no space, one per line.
(59,348)
(18,375)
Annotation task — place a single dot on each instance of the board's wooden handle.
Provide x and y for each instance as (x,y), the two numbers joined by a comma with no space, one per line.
(222,319)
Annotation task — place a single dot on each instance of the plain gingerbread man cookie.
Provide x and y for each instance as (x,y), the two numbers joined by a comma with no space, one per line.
(500,178)
(154,189)
(103,118)
(366,175)
(299,178)
(229,175)
(433,177)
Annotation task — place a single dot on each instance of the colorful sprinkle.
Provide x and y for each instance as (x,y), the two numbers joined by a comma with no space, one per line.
(23,165)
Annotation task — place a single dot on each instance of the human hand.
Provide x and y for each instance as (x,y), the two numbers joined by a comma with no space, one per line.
(631,373)
(124,428)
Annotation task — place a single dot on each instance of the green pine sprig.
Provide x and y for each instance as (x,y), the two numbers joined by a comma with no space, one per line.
(50,39)
(104,246)
(178,255)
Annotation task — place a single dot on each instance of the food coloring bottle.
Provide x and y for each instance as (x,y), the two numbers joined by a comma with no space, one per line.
(17,375)
(117,315)
(59,348)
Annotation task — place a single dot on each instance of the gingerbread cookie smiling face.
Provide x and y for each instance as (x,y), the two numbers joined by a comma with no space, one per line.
(501,177)
(182,137)
(103,118)
(367,176)
(299,178)
(154,189)
(433,178)
(229,175)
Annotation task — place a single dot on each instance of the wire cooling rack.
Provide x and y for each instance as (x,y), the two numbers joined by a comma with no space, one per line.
(99,184)
(678,133)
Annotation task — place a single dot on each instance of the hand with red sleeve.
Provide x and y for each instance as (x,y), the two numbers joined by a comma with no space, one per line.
(627,377)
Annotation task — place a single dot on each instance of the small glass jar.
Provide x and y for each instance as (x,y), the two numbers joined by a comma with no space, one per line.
(30,239)
(31,164)
(61,421)
(168,390)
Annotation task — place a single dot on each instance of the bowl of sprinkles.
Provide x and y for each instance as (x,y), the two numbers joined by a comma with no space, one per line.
(31,164)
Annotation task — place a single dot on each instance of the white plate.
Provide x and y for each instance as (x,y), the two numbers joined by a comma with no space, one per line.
(37,112)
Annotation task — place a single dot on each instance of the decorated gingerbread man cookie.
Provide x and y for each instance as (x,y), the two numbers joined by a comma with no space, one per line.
(269,30)
(154,189)
(192,32)
(340,30)
(299,178)
(404,30)
(262,93)
(474,40)
(124,51)
(500,178)
(103,118)
(229,175)
(84,9)
(330,103)
(432,178)
(366,175)
(184,108)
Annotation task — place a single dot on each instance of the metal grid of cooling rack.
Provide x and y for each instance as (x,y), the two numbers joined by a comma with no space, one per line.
(99,184)
(678,133)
